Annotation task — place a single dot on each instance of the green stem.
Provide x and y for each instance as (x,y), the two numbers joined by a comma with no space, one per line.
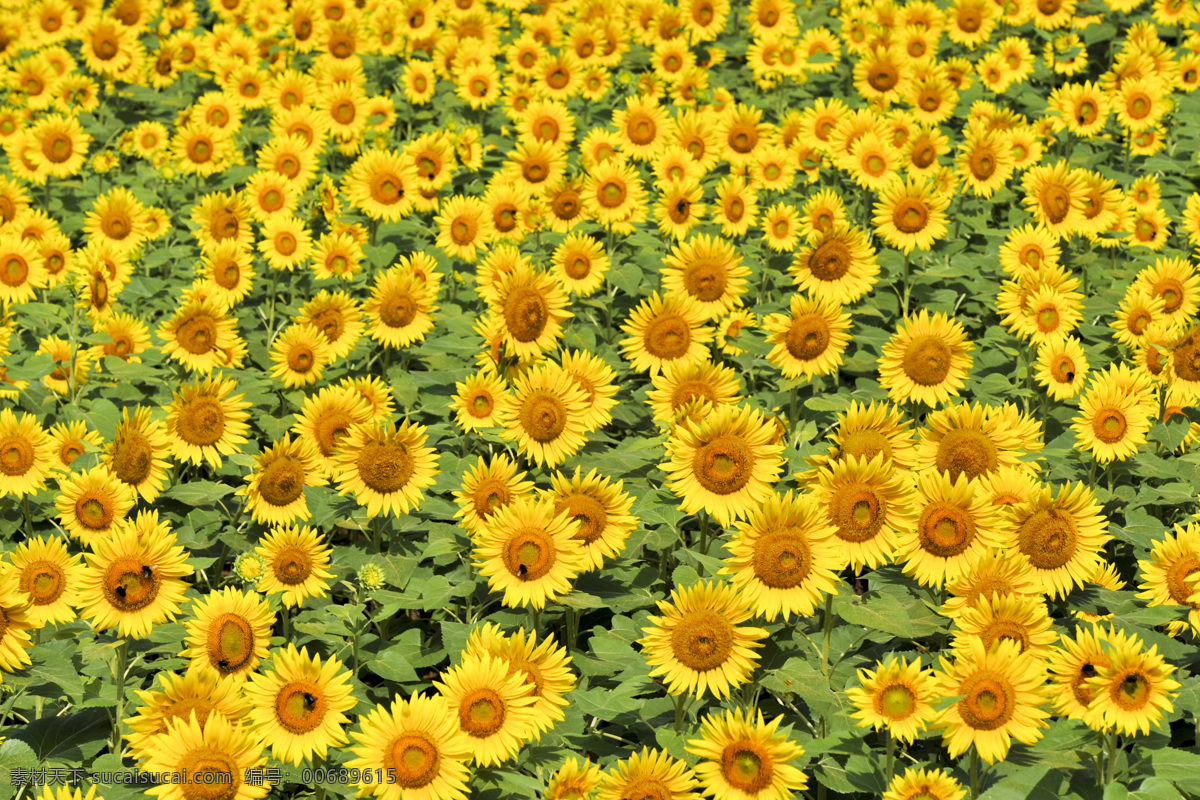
(891,756)
(122,660)
(974,774)
(572,629)
(703,538)
(680,709)
(285,615)
(906,298)
(17,692)
(827,632)
(536,621)
(271,302)
(28,516)
(1112,758)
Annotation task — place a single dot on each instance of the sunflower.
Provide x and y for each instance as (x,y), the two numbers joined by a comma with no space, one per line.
(1138,311)
(127,336)
(648,774)
(780,225)
(202,336)
(1168,575)
(26,454)
(220,755)
(286,242)
(730,328)
(274,489)
(975,440)
(596,380)
(663,330)
(707,269)
(418,745)
(61,143)
(375,391)
(725,464)
(957,522)
(1071,665)
(91,503)
(386,467)
(533,306)
(1054,195)
(573,781)
(134,577)
(487,487)
(544,666)
(381,185)
(1131,692)
(580,263)
(299,355)
(17,619)
(867,502)
(837,264)
(1060,536)
(1112,422)
(494,707)
(602,510)
(545,415)
(898,695)
(477,401)
(137,454)
(923,784)
(1023,619)
(528,551)
(205,423)
(194,693)
(1062,368)
(697,645)
(400,309)
(1176,282)
(614,196)
(22,269)
(229,632)
(325,419)
(865,431)
(743,756)
(808,341)
(737,206)
(49,577)
(926,361)
(296,564)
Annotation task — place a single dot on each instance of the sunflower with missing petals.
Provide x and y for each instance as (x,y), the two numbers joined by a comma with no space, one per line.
(1168,576)
(386,467)
(725,464)
(926,361)
(49,578)
(648,774)
(71,440)
(957,522)
(205,422)
(15,642)
(1061,536)
(1002,698)
(91,503)
(810,339)
(543,665)
(743,756)
(600,508)
(417,746)
(923,784)
(296,563)
(783,558)
(299,706)
(867,502)
(229,632)
(181,697)
(1131,692)
(528,551)
(274,489)
(134,578)
(545,415)
(137,454)
(897,695)
(218,755)
(26,454)
(1071,666)
(698,644)
(487,487)
(911,215)
(975,440)
(493,707)
(665,329)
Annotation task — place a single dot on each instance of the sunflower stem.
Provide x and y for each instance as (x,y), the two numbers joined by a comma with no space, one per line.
(703,538)
(827,632)
(907,296)
(536,619)
(680,709)
(285,617)
(1112,758)
(28,515)
(572,622)
(122,660)
(271,304)
(974,773)
(891,756)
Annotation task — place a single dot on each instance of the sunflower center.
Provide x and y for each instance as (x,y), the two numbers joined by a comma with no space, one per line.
(988,703)
(413,759)
(301,358)
(94,511)
(1048,539)
(530,554)
(746,765)
(526,313)
(945,530)
(1132,692)
(201,421)
(1011,630)
(43,581)
(212,775)
(491,494)
(1055,202)
(808,337)
(397,309)
(910,215)
(282,481)
(667,337)
(292,566)
(702,640)
(612,194)
(724,464)
(482,713)
(300,706)
(1177,575)
(782,558)
(385,467)
(705,280)
(198,335)
(543,415)
(865,444)
(577,266)
(15,270)
(132,457)
(16,455)
(966,452)
(230,643)
(587,511)
(927,360)
(896,702)
(1109,425)
(883,77)
(858,511)
(126,586)
(982,163)
(57,147)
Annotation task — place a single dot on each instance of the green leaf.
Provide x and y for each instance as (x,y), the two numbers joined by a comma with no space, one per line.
(873,617)
(1177,766)
(68,739)
(1031,783)
(198,493)
(800,678)
(14,754)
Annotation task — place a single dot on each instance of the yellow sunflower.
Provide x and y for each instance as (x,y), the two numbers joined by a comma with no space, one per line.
(205,423)
(744,756)
(911,215)
(698,644)
(380,184)
(602,510)
(201,336)
(527,550)
(26,454)
(837,264)
(274,489)
(897,695)
(1071,665)
(923,784)
(338,316)
(680,384)
(49,577)
(1112,422)
(665,329)
(1131,692)
(299,355)
(137,454)
(1060,535)
(810,339)
(648,774)
(1023,619)
(91,503)
(229,633)
(181,697)
(545,415)
(573,781)
(386,467)
(597,380)
(926,361)
(219,755)
(486,487)
(544,666)
(976,440)
(1062,367)
(15,642)
(1168,575)
(580,263)
(533,307)
(708,269)
(493,707)
(957,522)
(991,574)
(296,563)
(400,309)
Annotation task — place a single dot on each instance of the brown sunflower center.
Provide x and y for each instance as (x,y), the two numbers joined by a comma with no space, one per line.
(1185,357)
(808,337)
(385,467)
(782,558)
(587,511)
(989,701)
(212,775)
(43,581)
(16,455)
(201,421)
(1132,692)
(132,457)
(282,481)
(482,713)
(300,706)
(94,510)
(858,510)
(705,279)
(526,313)
(543,416)
(197,335)
(15,270)
(530,554)
(292,566)
(1177,575)
(1109,425)
(910,215)
(1048,538)
(413,759)
(129,585)
(230,644)
(747,766)
(865,444)
(491,493)
(702,640)
(965,451)
(724,464)
(945,529)
(927,360)
(896,702)
(398,308)
(667,337)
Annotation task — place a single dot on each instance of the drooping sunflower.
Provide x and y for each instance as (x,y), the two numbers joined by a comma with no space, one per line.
(927,360)
(1071,665)
(1060,535)
(600,508)
(810,339)
(493,707)
(1131,692)
(419,748)
(400,309)
(137,454)
(386,467)
(527,550)
(486,487)
(897,695)
(923,784)
(1168,575)
(744,756)
(911,215)
(274,489)
(49,577)
(545,415)
(957,522)
(217,756)
(725,464)
(26,454)
(648,774)
(182,696)
(299,705)
(134,578)
(533,306)
(296,564)
(91,503)
(1112,422)
(229,632)
(543,665)
(783,558)
(867,502)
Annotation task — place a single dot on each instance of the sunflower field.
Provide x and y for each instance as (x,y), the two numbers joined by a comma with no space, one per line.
(600,399)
